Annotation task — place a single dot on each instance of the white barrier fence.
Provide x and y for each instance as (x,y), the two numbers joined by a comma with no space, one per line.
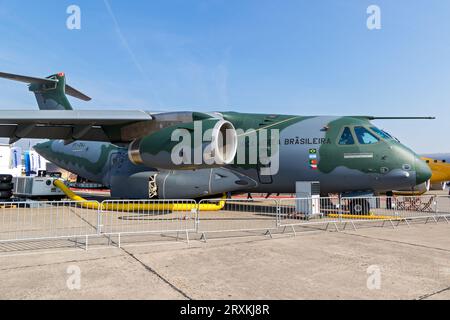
(238,215)
(296,212)
(46,220)
(147,216)
(300,211)
(67,219)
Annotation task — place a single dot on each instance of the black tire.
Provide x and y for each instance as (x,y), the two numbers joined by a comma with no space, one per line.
(5,194)
(6,186)
(359,207)
(5,178)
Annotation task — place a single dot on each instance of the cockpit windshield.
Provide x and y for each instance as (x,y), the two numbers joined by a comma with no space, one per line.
(383,134)
(365,136)
(347,137)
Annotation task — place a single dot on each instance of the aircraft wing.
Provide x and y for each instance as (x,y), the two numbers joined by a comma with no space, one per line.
(71,125)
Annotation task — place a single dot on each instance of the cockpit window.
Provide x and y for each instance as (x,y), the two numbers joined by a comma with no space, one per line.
(381,133)
(347,137)
(364,136)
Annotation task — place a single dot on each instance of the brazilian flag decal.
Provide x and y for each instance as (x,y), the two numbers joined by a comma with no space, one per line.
(313,163)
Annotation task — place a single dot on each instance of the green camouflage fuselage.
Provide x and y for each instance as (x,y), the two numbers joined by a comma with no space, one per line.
(309,150)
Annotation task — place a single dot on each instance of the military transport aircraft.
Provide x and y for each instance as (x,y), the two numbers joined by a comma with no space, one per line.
(130,151)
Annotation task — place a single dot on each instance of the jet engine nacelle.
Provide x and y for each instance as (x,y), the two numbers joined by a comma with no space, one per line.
(202,144)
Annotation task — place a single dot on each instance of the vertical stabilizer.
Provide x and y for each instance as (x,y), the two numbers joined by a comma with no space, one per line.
(51,96)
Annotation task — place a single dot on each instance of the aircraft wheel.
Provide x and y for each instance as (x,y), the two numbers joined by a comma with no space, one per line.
(359,207)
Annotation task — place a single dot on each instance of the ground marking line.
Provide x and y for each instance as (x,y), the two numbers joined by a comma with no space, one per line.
(432,294)
(151,270)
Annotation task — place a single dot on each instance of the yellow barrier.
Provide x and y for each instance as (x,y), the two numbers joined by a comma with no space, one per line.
(130,207)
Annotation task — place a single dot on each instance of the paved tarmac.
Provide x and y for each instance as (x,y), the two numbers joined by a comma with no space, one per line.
(369,263)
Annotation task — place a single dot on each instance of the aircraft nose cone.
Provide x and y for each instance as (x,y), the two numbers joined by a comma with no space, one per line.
(423,171)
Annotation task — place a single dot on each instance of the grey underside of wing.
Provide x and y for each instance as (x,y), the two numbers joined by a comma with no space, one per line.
(93,125)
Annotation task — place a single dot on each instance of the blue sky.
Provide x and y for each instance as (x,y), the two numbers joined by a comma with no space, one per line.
(290,57)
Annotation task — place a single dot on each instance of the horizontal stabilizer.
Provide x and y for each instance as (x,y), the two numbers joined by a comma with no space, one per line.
(27,79)
(47,84)
(76,94)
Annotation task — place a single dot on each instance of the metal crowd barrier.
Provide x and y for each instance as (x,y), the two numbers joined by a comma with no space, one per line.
(68,219)
(258,214)
(147,216)
(302,211)
(442,208)
(46,220)
(395,210)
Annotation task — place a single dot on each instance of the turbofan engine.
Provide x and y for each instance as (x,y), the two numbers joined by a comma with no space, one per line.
(208,143)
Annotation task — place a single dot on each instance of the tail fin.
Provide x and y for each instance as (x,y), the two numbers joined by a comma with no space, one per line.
(50,92)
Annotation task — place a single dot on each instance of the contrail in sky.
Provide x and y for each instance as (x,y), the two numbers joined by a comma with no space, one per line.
(130,51)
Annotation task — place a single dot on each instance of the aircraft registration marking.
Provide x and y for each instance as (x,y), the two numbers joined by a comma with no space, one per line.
(358,155)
